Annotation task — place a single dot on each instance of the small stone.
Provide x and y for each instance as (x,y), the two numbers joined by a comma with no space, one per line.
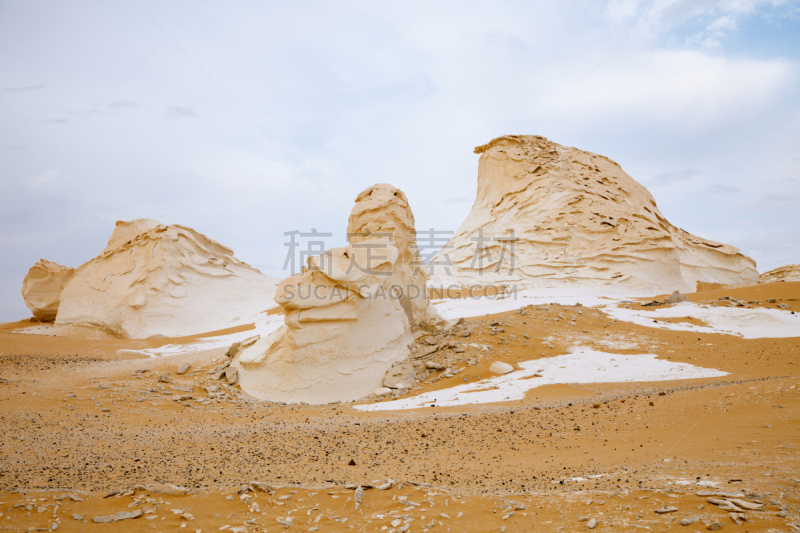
(170,490)
(714,526)
(688,521)
(767,425)
(592,524)
(498,367)
(359,496)
(744,504)
(382,391)
(263,487)
(183,369)
(77,517)
(666,510)
(675,298)
(232,375)
(400,376)
(122,515)
(75,498)
(434,366)
(164,378)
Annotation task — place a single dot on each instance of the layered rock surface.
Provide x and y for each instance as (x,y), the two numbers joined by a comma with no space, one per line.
(551,216)
(158,280)
(784,273)
(42,288)
(350,315)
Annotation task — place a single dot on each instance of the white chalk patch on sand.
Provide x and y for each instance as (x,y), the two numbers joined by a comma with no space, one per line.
(686,482)
(748,323)
(581,365)
(265,324)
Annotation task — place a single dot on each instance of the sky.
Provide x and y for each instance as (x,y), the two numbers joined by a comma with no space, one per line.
(248,119)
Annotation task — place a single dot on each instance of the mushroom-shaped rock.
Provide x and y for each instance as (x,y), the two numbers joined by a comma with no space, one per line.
(42,288)
(551,216)
(158,280)
(350,315)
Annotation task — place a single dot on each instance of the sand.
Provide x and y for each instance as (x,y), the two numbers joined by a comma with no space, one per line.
(79,419)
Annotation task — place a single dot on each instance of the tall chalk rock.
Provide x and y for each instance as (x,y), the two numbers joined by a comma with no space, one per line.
(550,216)
(158,280)
(350,315)
(42,288)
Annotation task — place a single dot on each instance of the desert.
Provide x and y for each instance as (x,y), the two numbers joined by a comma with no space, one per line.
(403,267)
(339,410)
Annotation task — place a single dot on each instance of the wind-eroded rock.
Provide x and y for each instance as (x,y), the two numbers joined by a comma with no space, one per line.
(158,280)
(42,288)
(350,315)
(784,273)
(551,216)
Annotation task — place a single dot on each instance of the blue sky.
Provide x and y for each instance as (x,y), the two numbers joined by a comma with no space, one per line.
(245,120)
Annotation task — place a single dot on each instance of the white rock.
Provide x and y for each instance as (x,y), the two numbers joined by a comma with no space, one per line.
(675,298)
(784,273)
(499,367)
(154,280)
(578,221)
(382,391)
(400,376)
(171,490)
(42,288)
(350,315)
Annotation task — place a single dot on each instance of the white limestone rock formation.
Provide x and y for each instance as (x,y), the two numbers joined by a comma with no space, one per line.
(574,219)
(382,212)
(784,273)
(42,288)
(350,315)
(157,280)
